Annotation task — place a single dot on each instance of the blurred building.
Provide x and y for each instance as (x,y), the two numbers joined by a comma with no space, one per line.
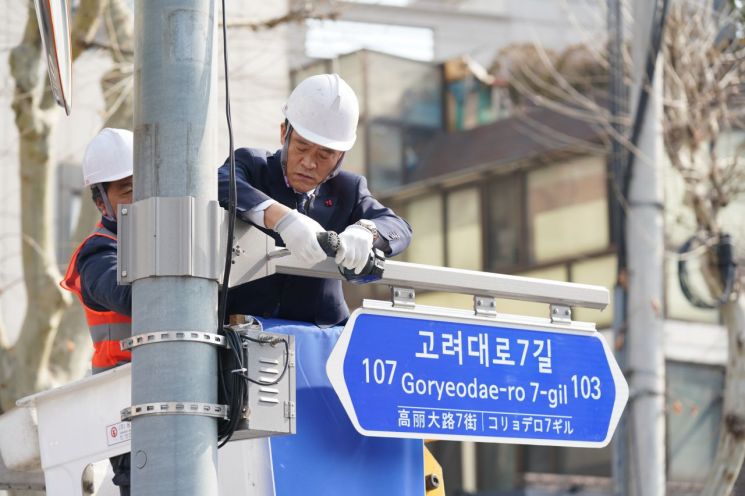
(488,186)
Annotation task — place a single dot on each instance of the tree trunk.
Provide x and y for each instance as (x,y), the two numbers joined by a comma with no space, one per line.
(24,367)
(731,450)
(73,347)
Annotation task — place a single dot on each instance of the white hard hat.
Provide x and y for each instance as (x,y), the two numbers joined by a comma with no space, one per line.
(324,109)
(108,156)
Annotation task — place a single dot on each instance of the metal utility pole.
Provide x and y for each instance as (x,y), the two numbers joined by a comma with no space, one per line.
(645,248)
(174,453)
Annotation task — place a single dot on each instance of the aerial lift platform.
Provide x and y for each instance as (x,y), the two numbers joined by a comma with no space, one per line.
(67,428)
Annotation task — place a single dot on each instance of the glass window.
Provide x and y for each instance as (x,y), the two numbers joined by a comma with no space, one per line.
(403,89)
(385,149)
(425,216)
(354,159)
(568,209)
(351,68)
(464,229)
(504,222)
(694,410)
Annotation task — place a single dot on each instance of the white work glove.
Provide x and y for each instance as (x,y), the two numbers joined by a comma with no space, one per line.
(299,231)
(355,244)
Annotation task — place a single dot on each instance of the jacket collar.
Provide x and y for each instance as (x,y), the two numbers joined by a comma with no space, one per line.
(109,224)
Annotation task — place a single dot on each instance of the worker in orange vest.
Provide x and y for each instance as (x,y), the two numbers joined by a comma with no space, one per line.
(91,274)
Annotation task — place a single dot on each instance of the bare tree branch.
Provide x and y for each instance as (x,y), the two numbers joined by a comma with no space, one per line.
(298,14)
(23,368)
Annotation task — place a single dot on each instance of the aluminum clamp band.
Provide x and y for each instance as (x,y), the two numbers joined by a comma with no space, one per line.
(175,408)
(161,336)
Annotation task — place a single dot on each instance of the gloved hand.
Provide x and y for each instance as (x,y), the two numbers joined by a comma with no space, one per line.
(355,244)
(299,231)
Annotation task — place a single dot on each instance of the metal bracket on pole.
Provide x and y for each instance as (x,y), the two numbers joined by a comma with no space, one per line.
(171,336)
(485,306)
(561,314)
(170,236)
(176,408)
(403,297)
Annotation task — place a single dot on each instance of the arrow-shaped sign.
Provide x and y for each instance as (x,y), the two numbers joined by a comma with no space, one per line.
(402,373)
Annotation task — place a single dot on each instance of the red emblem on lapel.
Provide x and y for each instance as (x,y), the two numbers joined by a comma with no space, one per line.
(329,203)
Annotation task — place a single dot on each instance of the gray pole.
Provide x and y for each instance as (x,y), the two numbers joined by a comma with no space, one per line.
(175,156)
(644,234)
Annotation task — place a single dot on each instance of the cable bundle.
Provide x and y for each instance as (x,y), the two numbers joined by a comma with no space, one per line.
(234,378)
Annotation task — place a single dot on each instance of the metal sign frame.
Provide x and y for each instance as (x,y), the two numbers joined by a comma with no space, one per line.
(53,17)
(255,256)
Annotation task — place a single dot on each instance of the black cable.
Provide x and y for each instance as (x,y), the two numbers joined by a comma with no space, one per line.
(727,272)
(231,392)
(232,188)
(235,388)
(284,368)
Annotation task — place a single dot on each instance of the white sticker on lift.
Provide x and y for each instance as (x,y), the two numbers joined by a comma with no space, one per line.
(118,433)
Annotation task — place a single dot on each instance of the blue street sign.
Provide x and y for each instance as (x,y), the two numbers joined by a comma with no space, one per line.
(402,373)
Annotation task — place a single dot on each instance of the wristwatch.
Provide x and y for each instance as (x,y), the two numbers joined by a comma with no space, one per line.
(370,226)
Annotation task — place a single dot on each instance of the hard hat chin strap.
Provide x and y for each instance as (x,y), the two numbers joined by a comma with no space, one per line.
(108,209)
(284,154)
(285,146)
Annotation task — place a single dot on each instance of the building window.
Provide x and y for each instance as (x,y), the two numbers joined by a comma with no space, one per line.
(425,216)
(385,152)
(464,229)
(568,209)
(504,221)
(403,110)
(694,411)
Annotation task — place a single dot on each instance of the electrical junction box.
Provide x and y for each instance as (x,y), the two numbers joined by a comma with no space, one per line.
(270,407)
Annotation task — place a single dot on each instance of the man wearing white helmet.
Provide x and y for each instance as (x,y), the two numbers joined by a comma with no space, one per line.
(300,190)
(91,274)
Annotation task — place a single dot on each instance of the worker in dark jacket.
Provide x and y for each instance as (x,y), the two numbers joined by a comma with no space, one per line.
(300,190)
(91,274)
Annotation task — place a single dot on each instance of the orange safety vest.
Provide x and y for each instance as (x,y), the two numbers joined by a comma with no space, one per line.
(106,327)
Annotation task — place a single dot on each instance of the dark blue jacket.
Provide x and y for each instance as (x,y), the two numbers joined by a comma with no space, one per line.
(96,265)
(338,203)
